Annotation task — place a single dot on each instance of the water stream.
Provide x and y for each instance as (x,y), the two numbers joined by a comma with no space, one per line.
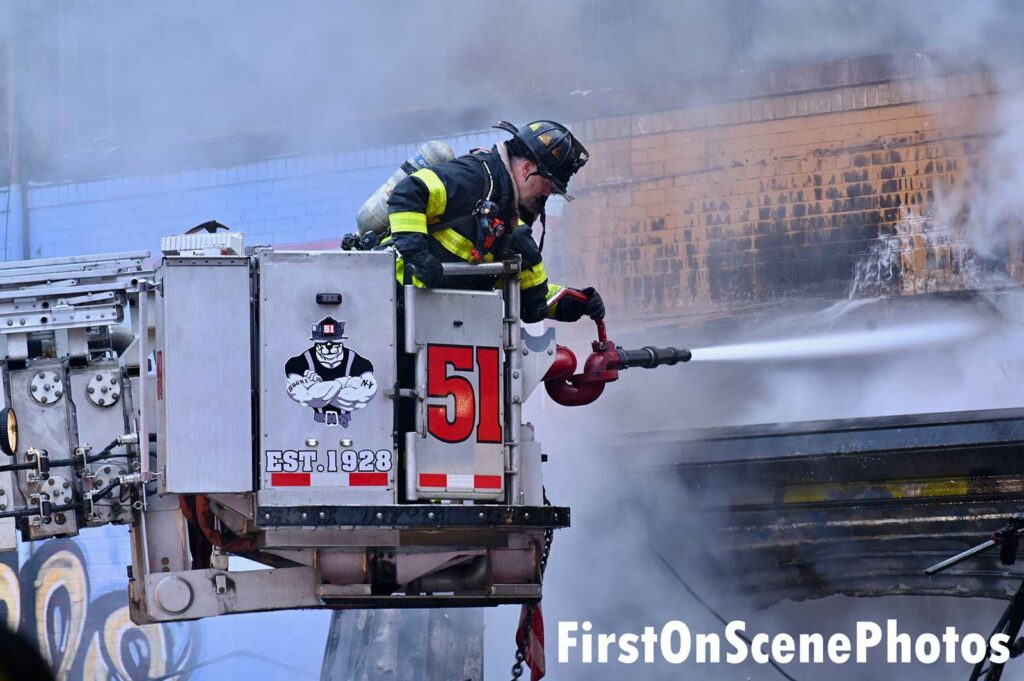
(846,344)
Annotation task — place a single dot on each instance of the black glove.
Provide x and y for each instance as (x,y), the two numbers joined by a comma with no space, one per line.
(570,309)
(521,241)
(594,307)
(427,267)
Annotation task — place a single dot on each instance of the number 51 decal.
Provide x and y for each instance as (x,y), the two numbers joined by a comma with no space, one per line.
(475,406)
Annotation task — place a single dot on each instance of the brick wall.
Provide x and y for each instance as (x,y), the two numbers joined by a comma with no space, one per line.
(722,206)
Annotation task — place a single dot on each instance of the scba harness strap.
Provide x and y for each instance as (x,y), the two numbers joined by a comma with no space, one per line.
(480,243)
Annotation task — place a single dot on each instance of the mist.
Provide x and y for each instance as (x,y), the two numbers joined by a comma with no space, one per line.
(788,364)
(103,87)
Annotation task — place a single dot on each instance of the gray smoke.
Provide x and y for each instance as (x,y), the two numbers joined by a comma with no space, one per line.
(621,586)
(106,86)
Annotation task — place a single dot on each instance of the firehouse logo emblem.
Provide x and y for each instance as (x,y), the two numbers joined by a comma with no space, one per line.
(331,379)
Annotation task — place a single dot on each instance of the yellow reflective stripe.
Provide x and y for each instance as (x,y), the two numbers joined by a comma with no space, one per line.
(408,222)
(533,276)
(458,244)
(553,290)
(400,275)
(889,489)
(437,195)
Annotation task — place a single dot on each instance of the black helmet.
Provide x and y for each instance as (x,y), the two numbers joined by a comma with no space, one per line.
(552,147)
(327,330)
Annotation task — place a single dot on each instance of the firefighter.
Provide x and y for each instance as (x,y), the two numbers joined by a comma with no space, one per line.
(480,208)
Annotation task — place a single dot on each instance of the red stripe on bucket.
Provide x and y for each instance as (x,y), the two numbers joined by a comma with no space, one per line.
(433,480)
(487,481)
(368,479)
(289,479)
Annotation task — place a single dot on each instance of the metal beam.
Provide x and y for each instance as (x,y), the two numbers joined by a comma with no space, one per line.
(858,507)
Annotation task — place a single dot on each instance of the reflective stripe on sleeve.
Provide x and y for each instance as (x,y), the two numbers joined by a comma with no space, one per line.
(408,222)
(458,244)
(437,195)
(553,290)
(400,275)
(533,276)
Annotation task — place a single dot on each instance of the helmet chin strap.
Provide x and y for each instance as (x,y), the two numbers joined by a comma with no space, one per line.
(565,195)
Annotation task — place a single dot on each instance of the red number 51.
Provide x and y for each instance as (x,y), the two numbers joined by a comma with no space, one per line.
(457,425)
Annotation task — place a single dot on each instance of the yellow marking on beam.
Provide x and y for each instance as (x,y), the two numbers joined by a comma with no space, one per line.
(892,489)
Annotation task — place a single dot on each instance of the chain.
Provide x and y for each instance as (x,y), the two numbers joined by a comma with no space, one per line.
(517,668)
(549,535)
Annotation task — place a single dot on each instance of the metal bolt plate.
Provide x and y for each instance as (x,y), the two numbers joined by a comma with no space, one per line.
(104,389)
(59,495)
(174,595)
(46,387)
(104,476)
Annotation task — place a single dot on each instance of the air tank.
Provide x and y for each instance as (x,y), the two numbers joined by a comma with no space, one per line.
(373,216)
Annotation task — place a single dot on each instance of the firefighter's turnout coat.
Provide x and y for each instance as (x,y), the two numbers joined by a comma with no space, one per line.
(433,213)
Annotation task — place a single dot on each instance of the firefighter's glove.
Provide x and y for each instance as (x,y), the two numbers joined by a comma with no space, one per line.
(594,307)
(428,268)
(571,309)
(521,242)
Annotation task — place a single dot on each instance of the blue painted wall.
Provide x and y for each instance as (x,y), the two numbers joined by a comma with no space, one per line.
(282,200)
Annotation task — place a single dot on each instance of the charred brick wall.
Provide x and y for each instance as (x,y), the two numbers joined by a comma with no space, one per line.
(720,206)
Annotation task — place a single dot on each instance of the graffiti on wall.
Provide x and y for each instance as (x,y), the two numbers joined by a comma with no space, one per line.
(82,634)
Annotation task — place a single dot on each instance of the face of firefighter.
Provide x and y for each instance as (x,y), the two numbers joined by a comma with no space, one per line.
(329,353)
(533,189)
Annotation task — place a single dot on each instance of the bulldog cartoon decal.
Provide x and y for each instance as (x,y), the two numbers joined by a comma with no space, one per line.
(331,379)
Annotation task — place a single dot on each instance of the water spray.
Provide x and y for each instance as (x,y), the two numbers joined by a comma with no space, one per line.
(846,344)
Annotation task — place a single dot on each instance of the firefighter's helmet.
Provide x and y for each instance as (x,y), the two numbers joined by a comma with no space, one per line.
(557,153)
(328,330)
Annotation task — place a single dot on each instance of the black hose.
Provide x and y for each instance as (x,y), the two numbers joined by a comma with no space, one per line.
(17,467)
(19,513)
(27,512)
(106,490)
(104,453)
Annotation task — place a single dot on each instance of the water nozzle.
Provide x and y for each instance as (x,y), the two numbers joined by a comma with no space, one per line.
(650,357)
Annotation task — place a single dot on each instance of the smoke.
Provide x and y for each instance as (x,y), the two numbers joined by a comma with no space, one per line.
(995,214)
(604,569)
(618,514)
(104,86)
